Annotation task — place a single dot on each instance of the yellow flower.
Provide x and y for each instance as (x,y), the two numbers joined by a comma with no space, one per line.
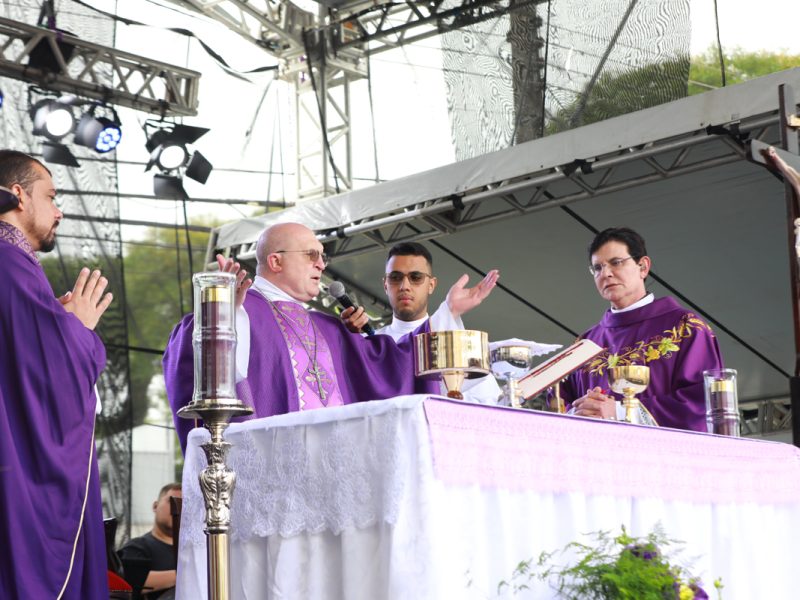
(652,354)
(685,592)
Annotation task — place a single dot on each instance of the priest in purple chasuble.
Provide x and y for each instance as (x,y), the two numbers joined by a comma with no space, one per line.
(51,522)
(289,358)
(639,329)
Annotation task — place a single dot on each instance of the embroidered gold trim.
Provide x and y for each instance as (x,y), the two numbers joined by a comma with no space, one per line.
(656,348)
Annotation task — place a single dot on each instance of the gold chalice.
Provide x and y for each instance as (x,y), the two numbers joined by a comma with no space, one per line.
(453,355)
(629,381)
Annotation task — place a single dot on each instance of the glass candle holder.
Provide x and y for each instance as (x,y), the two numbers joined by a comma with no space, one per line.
(214,338)
(722,402)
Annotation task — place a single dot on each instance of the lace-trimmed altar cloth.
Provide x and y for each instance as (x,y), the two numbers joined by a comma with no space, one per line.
(426,498)
(308,472)
(351,466)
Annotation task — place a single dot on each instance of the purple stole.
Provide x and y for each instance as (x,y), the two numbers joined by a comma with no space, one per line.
(312,363)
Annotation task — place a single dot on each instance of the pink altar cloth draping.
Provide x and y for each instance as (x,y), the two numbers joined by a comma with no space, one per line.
(472,445)
(419,497)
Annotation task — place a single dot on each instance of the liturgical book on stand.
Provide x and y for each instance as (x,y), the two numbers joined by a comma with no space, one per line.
(557,367)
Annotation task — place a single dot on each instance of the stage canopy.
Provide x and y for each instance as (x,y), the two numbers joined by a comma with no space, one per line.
(715,226)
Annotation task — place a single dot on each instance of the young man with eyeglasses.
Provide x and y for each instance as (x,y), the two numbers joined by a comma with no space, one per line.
(409,283)
(289,358)
(51,530)
(639,329)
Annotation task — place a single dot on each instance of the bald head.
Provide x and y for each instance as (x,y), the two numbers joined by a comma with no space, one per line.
(283,255)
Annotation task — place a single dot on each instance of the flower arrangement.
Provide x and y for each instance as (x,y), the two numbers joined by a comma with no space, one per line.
(621,567)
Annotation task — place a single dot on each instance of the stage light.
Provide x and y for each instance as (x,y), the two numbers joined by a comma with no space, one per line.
(172,156)
(169,151)
(53,119)
(101,134)
(59,154)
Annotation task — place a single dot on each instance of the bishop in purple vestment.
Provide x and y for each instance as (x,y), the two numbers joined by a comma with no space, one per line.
(292,359)
(51,520)
(640,330)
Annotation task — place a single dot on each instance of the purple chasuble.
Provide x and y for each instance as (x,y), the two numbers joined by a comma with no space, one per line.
(51,522)
(310,356)
(677,346)
(372,368)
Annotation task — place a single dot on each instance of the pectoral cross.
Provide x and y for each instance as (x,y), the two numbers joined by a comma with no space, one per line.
(321,376)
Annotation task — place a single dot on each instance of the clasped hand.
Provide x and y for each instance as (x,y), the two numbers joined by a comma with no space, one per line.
(86,300)
(595,404)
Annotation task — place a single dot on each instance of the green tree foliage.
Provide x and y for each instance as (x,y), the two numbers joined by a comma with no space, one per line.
(740,65)
(616,93)
(158,292)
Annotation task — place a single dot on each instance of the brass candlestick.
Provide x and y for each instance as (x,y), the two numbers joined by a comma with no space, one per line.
(214,401)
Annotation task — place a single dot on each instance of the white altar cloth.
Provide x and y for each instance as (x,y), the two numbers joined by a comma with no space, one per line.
(416,497)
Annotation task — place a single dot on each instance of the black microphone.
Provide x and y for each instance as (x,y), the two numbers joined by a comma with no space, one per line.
(336,289)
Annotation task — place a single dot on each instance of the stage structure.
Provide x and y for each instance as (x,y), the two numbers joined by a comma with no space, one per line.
(676,172)
(91,68)
(512,68)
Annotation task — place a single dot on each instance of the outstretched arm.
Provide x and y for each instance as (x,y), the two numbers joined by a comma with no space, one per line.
(462,299)
(789,173)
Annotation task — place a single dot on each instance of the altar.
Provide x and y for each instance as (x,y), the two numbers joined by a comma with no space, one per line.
(426,498)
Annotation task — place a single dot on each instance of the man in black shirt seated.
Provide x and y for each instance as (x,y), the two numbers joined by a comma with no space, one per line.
(156,546)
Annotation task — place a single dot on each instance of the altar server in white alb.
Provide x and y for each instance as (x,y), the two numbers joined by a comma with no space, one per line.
(409,283)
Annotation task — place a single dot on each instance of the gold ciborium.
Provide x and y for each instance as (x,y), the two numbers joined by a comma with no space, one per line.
(453,355)
(629,381)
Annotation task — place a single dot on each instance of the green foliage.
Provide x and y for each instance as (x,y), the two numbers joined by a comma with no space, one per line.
(618,567)
(740,65)
(617,93)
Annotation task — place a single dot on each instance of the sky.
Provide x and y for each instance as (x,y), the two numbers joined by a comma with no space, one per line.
(412,122)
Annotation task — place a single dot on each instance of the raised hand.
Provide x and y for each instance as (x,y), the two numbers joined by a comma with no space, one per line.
(86,300)
(228,265)
(462,299)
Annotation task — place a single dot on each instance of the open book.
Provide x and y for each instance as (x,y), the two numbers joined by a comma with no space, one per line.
(557,367)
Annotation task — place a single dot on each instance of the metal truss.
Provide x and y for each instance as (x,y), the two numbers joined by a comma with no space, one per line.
(580,180)
(392,24)
(324,140)
(67,64)
(766,416)
(273,25)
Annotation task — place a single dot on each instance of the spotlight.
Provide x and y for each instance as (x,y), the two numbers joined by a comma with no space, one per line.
(59,154)
(54,119)
(101,134)
(169,151)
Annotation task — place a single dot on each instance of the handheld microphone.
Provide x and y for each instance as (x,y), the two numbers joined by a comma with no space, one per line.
(336,289)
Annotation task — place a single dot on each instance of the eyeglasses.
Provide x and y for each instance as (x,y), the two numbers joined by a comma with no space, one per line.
(414,277)
(613,264)
(313,255)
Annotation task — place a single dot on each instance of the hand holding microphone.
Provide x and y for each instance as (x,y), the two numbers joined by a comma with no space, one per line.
(336,289)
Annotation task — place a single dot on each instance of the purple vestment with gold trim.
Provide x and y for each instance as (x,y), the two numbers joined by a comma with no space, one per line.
(51,528)
(676,345)
(354,368)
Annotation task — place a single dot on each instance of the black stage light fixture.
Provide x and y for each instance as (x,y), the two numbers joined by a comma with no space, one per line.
(169,186)
(169,151)
(59,154)
(100,133)
(53,119)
